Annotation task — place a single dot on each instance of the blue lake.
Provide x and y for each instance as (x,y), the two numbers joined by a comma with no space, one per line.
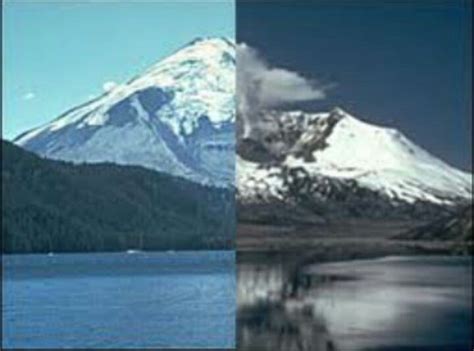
(119,300)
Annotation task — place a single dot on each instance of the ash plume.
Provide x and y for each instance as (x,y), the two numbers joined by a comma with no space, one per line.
(261,86)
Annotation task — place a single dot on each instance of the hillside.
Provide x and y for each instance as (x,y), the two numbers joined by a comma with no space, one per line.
(55,206)
(456,228)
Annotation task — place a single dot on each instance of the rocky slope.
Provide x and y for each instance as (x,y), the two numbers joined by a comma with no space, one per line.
(456,227)
(333,164)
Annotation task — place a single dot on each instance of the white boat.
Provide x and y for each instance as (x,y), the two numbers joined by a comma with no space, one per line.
(131,252)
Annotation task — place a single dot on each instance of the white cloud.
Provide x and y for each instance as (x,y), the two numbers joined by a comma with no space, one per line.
(109,85)
(29,96)
(261,86)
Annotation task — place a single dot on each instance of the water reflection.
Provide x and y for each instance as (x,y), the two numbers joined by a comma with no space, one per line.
(394,303)
(271,312)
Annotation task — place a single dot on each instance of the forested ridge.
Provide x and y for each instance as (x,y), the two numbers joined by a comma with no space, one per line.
(55,206)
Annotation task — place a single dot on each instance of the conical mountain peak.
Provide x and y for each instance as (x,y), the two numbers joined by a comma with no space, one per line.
(207,50)
(176,117)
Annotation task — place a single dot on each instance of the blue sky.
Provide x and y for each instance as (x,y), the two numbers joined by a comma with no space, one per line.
(405,64)
(57,55)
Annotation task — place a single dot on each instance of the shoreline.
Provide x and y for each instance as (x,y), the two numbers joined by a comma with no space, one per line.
(345,241)
(127,252)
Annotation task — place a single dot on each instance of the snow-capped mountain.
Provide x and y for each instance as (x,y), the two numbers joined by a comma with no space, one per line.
(333,162)
(177,117)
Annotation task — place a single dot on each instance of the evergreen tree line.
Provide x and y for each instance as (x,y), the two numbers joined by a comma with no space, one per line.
(55,206)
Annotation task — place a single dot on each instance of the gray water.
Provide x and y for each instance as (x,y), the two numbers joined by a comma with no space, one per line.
(395,303)
(118,300)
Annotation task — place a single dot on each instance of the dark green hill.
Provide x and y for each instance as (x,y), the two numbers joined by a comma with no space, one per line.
(61,207)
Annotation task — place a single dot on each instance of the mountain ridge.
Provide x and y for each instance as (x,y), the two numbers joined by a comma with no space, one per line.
(180,117)
(176,117)
(325,159)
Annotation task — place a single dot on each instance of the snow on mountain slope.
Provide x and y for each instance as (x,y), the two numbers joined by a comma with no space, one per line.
(178,117)
(336,148)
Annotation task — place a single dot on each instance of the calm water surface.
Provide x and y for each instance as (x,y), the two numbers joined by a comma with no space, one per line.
(395,303)
(184,299)
(416,303)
